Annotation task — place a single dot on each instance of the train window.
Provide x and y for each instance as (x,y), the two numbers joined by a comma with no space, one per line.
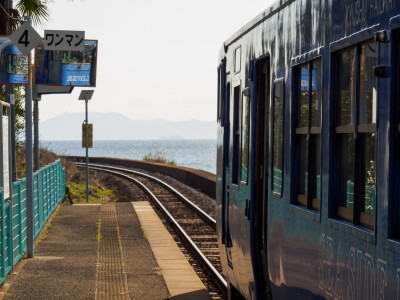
(78,57)
(395,203)
(22,64)
(308,133)
(356,132)
(17,64)
(219,104)
(87,54)
(238,54)
(277,142)
(56,55)
(11,63)
(245,135)
(64,57)
(2,62)
(236,136)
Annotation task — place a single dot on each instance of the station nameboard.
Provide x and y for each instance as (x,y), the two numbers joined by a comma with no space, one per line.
(64,40)
(67,68)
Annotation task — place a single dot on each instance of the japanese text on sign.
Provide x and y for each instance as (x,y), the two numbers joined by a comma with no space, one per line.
(64,40)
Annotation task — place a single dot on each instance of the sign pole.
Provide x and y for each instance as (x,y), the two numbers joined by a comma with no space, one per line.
(11,100)
(29,164)
(36,132)
(13,143)
(86,95)
(87,149)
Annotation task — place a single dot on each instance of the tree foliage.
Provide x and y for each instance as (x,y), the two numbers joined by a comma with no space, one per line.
(37,9)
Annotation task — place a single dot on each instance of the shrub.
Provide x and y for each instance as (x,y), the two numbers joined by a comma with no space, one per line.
(158,157)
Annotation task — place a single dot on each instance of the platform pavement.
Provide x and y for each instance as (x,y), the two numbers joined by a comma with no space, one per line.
(82,255)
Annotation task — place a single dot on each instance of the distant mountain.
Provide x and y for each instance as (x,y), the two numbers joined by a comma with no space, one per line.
(115,126)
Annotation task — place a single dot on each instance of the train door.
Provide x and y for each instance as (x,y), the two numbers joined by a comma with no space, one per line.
(262,160)
(225,175)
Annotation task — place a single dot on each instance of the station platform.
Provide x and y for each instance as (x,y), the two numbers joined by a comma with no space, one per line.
(104,251)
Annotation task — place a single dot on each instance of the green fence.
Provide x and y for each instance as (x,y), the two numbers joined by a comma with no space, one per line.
(48,191)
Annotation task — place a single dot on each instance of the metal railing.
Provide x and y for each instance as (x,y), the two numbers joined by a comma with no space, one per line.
(48,191)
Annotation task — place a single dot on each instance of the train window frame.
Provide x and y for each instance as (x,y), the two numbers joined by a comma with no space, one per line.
(219,95)
(245,136)
(11,57)
(236,134)
(56,55)
(2,62)
(351,133)
(394,206)
(307,131)
(238,59)
(13,66)
(66,59)
(18,68)
(393,243)
(279,81)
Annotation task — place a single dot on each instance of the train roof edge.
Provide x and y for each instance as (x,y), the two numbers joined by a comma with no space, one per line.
(270,11)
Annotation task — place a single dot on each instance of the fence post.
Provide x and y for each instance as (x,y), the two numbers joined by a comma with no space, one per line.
(20,218)
(2,236)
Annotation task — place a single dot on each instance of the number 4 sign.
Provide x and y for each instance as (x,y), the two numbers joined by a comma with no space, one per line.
(25,38)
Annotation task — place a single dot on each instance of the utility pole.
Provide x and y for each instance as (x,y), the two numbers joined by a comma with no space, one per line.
(87,148)
(29,165)
(86,95)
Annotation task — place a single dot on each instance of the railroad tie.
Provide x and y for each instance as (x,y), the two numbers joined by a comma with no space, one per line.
(111,275)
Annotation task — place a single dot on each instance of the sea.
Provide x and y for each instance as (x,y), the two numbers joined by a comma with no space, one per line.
(197,154)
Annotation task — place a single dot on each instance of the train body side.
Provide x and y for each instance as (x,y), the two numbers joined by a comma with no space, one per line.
(271,245)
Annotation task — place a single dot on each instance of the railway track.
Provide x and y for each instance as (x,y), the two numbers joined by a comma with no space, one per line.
(193,226)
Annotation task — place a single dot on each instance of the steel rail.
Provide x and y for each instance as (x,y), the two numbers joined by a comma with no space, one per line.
(172,189)
(221,280)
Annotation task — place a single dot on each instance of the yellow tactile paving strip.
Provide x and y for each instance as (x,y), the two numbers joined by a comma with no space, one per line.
(111,276)
(179,276)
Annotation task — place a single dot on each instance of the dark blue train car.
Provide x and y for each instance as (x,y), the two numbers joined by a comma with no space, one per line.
(308,166)
(67,68)
(13,65)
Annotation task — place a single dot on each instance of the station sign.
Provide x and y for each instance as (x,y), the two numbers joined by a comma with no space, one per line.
(25,38)
(90,135)
(65,67)
(57,40)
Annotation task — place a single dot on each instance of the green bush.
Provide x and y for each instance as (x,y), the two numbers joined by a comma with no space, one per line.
(158,157)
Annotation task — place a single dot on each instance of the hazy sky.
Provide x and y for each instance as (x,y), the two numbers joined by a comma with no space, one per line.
(156,59)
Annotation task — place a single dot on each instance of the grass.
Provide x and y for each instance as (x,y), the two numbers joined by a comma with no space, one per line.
(98,194)
(99,232)
(144,234)
(158,157)
(75,178)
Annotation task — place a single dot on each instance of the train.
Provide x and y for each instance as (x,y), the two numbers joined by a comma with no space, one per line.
(66,68)
(308,152)
(13,65)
